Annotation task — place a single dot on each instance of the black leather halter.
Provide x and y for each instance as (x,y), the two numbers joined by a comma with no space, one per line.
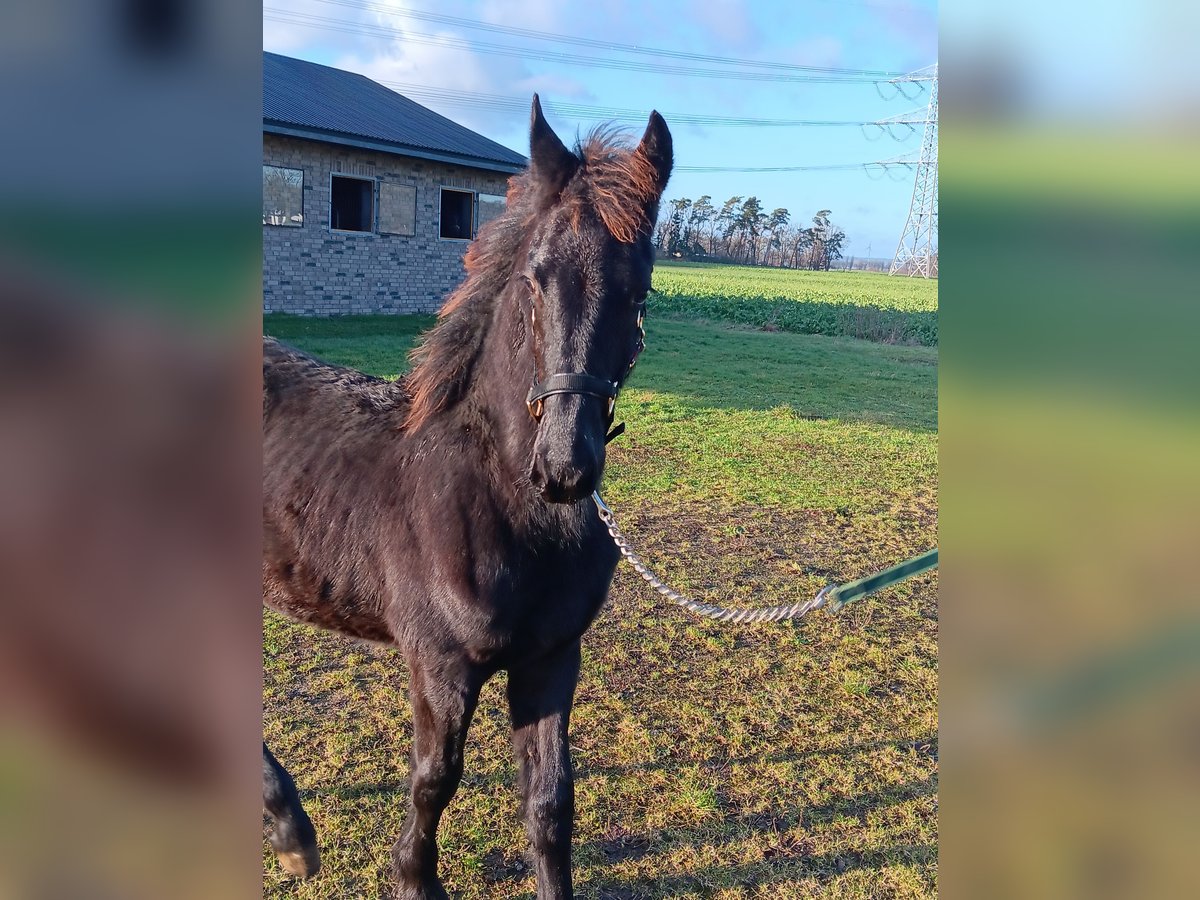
(582,383)
(577,383)
(571,383)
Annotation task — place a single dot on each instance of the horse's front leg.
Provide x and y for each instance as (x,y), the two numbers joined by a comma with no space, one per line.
(540,698)
(444,694)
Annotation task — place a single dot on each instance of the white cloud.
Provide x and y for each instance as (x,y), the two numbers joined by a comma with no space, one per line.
(292,38)
(383,53)
(539,15)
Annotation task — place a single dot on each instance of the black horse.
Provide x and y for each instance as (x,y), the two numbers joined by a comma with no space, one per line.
(448,513)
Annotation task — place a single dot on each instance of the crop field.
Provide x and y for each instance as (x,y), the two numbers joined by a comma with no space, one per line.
(844,304)
(781,761)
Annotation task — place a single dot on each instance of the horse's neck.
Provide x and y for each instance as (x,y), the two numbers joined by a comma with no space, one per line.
(495,395)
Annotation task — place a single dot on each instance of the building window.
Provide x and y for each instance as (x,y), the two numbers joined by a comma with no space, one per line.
(490,207)
(283,196)
(397,208)
(351,203)
(458,219)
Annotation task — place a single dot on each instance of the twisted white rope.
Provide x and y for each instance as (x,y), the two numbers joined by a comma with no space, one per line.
(712,611)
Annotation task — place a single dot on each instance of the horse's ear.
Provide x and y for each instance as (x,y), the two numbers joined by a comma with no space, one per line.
(656,146)
(551,162)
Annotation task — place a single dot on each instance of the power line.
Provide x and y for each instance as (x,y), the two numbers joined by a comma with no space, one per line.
(831,167)
(383,32)
(810,74)
(611,113)
(611,46)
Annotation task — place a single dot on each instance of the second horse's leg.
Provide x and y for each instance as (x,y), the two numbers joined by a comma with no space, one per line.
(292,833)
(442,705)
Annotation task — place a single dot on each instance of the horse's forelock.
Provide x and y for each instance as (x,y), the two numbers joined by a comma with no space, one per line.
(618,183)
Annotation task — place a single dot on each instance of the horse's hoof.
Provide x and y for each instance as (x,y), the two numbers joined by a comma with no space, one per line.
(302,863)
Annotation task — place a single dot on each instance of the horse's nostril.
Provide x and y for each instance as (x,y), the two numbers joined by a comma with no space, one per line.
(569,485)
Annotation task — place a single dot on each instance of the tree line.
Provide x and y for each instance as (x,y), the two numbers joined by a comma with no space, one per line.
(741,231)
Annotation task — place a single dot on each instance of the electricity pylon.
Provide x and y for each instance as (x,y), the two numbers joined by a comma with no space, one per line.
(917,251)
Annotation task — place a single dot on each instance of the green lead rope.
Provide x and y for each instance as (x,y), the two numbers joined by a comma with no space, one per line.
(839,596)
(836,596)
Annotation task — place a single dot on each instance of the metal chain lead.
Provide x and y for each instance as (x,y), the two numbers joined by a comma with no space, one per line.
(712,611)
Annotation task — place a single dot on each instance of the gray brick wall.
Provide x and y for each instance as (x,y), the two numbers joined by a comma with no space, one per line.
(317,272)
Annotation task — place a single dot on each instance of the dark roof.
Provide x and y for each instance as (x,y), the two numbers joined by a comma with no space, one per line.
(310,100)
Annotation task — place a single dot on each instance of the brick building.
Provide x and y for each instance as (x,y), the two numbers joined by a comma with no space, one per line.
(369,199)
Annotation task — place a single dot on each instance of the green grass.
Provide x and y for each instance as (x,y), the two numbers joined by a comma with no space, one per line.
(780,761)
(846,304)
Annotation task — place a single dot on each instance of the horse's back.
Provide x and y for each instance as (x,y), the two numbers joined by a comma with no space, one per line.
(296,380)
(326,431)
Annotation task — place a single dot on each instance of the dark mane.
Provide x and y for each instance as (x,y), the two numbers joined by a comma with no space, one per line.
(612,181)
(442,362)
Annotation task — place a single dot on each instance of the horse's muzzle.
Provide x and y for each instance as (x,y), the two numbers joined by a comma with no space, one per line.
(563,483)
(568,457)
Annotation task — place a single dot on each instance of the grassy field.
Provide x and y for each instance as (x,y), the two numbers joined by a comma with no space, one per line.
(842,304)
(780,761)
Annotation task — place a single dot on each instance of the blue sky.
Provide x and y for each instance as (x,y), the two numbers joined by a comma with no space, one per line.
(369,36)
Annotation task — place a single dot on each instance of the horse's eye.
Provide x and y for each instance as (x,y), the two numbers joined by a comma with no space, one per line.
(532,283)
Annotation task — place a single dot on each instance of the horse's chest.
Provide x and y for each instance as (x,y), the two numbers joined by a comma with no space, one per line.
(558,615)
(546,603)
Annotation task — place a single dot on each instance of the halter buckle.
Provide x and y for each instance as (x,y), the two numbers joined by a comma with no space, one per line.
(641,344)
